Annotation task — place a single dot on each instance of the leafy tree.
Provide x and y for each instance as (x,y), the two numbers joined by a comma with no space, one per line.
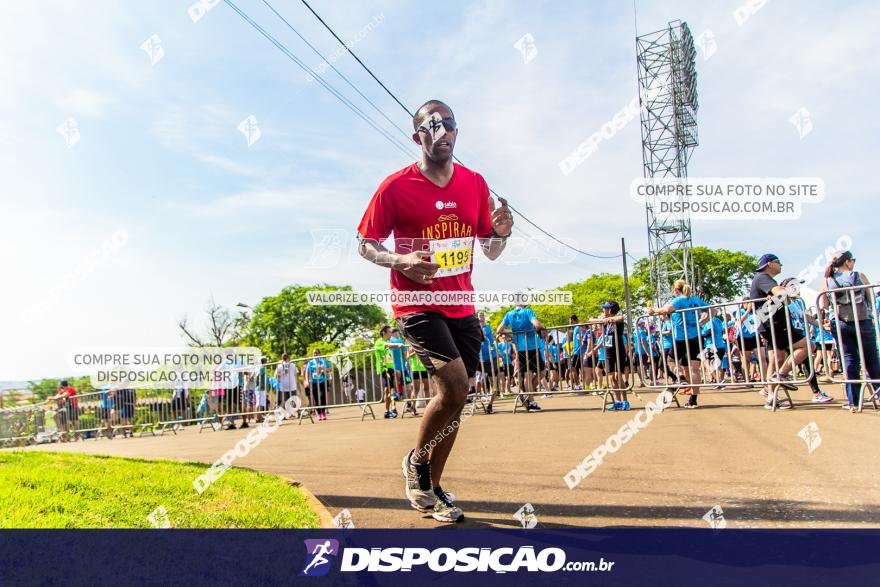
(288,321)
(44,388)
(323,348)
(720,274)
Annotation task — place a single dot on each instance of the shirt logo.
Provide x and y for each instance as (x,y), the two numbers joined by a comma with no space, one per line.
(445,205)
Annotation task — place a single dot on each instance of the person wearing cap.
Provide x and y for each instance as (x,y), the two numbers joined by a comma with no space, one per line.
(684,311)
(852,315)
(774,326)
(69,404)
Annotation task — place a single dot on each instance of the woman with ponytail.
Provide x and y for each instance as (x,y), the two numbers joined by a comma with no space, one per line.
(852,313)
(686,322)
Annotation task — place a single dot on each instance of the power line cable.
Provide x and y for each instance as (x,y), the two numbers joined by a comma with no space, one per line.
(333,67)
(405,109)
(329,87)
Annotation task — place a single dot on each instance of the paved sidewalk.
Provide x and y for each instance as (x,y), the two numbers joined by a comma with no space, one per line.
(730,452)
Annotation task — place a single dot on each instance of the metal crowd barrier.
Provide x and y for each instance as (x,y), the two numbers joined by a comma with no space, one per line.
(738,350)
(830,305)
(259,390)
(350,381)
(611,373)
(21,425)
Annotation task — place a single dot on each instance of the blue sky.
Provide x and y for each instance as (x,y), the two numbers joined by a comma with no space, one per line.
(160,157)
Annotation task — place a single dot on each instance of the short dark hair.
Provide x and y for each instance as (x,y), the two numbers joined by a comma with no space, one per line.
(384,329)
(64,383)
(421,114)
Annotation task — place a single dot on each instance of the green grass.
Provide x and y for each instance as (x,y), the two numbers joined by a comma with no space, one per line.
(60,490)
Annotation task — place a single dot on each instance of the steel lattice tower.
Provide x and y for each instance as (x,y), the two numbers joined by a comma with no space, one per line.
(668,99)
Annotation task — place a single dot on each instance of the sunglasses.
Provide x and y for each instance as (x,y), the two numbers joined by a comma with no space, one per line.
(431,124)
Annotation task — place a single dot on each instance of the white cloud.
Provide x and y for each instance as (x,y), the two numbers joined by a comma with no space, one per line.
(85,102)
(229,165)
(310,201)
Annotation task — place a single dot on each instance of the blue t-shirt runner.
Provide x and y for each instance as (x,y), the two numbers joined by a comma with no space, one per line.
(685,321)
(398,353)
(713,333)
(488,350)
(313,367)
(519,321)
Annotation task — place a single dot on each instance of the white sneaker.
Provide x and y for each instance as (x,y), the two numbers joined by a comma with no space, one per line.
(418,486)
(445,510)
(779,406)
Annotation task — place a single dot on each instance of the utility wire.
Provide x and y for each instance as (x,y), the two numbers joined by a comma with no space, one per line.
(329,87)
(405,109)
(325,60)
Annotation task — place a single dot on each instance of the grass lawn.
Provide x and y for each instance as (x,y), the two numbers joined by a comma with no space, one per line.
(59,490)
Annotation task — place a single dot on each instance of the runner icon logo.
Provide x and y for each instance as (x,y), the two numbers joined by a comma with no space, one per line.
(810,435)
(715,518)
(318,561)
(526,516)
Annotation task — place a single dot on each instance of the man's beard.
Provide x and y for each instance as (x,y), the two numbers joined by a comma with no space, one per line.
(440,159)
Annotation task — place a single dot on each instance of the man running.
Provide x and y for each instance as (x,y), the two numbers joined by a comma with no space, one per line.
(435,208)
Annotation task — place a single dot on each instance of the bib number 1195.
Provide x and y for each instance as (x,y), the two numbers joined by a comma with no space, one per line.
(453,255)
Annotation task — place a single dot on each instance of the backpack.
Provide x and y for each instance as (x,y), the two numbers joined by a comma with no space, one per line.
(850,306)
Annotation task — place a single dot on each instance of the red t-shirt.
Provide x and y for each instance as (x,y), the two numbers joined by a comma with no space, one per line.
(70,392)
(425,217)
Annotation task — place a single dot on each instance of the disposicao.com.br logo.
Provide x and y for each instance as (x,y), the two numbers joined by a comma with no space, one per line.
(444,559)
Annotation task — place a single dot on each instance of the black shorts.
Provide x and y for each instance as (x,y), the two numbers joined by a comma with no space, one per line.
(642,360)
(419,374)
(688,349)
(611,363)
(778,340)
(530,361)
(507,369)
(488,368)
(747,344)
(388,377)
(576,361)
(589,362)
(563,367)
(438,340)
(106,413)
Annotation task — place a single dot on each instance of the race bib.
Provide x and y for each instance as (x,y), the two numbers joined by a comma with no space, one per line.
(452,254)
